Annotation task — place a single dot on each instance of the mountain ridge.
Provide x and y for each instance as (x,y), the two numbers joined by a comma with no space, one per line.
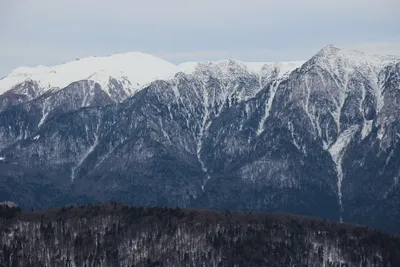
(120,65)
(135,70)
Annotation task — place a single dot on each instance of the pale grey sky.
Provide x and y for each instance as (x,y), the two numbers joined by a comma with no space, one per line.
(49,32)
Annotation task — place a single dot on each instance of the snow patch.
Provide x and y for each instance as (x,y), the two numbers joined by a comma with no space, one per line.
(366,129)
(2,158)
(36,137)
(381,133)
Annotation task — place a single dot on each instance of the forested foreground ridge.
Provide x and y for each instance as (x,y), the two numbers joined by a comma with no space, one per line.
(116,235)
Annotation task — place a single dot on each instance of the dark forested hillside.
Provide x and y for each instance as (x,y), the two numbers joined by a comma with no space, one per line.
(115,235)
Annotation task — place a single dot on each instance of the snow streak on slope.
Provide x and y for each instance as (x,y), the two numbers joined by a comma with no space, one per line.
(88,152)
(138,68)
(45,112)
(337,151)
(203,128)
(267,109)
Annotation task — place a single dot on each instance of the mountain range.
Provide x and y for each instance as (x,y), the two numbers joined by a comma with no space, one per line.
(318,138)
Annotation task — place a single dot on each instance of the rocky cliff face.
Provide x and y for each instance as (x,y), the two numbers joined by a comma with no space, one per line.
(112,235)
(319,139)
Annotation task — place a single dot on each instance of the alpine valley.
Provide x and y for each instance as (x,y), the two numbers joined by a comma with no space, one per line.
(317,138)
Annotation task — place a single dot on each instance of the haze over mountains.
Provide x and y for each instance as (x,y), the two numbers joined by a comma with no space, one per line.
(318,138)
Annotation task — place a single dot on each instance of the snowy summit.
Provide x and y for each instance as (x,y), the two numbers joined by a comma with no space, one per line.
(133,69)
(137,68)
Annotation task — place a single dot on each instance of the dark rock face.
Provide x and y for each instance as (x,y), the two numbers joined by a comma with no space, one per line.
(321,140)
(113,235)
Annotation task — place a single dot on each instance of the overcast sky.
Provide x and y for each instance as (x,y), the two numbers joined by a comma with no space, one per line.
(49,32)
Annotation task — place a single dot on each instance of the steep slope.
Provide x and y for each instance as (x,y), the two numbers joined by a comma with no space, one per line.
(371,160)
(20,122)
(344,95)
(112,235)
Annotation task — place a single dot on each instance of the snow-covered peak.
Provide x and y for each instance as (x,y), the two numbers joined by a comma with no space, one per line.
(333,58)
(233,68)
(134,70)
(222,69)
(136,67)
(279,70)
(348,64)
